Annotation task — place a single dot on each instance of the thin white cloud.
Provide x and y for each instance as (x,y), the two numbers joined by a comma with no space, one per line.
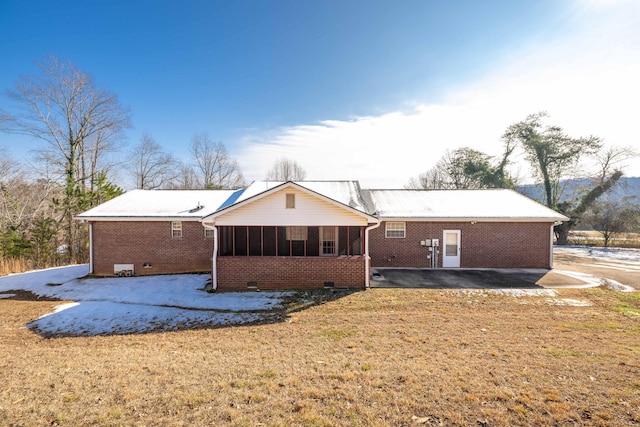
(587,80)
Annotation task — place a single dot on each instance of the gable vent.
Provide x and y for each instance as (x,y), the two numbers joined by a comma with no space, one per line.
(291,201)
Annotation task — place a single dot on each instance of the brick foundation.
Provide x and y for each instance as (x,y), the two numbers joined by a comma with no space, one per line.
(290,272)
(483,245)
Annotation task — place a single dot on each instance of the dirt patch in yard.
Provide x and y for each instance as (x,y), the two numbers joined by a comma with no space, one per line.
(401,357)
(21,295)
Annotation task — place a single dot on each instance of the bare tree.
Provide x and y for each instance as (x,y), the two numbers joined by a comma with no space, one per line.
(214,167)
(9,167)
(612,217)
(286,170)
(78,122)
(434,178)
(151,166)
(610,159)
(28,221)
(465,168)
(185,180)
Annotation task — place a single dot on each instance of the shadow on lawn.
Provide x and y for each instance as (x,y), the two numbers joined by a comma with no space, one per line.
(105,318)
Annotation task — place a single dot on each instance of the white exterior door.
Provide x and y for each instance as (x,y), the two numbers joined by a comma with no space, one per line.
(451,249)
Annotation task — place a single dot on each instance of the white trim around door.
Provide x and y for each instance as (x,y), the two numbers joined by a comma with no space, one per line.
(451,248)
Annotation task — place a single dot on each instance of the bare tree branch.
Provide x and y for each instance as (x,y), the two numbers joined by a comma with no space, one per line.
(151,166)
(79,124)
(285,169)
(213,165)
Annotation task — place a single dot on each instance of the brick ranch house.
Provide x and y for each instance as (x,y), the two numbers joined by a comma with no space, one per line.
(313,234)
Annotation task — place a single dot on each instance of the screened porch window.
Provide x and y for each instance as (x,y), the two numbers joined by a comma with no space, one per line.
(329,240)
(290,241)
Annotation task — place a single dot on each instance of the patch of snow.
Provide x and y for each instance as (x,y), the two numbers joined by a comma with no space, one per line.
(630,255)
(628,267)
(105,318)
(137,304)
(591,281)
(569,302)
(616,286)
(518,293)
(523,292)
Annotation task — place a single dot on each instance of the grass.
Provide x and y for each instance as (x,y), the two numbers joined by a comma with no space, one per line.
(594,238)
(20,265)
(14,265)
(375,358)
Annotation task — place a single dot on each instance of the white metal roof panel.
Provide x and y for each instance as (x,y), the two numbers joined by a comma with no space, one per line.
(161,204)
(493,204)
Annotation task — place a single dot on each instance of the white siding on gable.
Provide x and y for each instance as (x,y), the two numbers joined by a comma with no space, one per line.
(309,210)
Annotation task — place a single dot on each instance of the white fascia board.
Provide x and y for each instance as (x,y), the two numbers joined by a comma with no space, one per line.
(137,218)
(468,219)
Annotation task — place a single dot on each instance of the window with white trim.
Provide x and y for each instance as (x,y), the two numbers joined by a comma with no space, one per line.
(208,233)
(176,229)
(395,230)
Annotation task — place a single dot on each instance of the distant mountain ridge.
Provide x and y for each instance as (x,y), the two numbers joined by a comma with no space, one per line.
(571,188)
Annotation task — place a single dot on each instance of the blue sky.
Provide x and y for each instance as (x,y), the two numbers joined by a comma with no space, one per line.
(373,90)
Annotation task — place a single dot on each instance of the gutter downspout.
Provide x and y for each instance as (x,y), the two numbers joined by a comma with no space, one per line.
(366,253)
(90,248)
(551,243)
(214,259)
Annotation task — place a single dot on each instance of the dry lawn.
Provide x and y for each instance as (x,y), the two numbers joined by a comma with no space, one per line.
(594,238)
(376,358)
(13,265)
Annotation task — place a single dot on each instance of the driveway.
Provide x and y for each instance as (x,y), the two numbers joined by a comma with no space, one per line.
(573,267)
(621,265)
(457,278)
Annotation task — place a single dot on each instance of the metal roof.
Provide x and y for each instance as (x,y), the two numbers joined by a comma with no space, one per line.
(494,204)
(179,204)
(491,204)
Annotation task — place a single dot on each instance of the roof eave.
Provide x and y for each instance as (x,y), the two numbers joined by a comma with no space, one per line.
(137,218)
(472,219)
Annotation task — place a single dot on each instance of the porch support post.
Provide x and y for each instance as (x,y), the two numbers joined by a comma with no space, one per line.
(367,258)
(551,246)
(214,258)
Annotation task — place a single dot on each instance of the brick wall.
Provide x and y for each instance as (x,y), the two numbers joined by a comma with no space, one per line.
(140,242)
(483,245)
(489,245)
(290,272)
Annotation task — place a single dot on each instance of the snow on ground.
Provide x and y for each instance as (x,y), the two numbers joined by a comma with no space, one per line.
(627,255)
(136,304)
(161,303)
